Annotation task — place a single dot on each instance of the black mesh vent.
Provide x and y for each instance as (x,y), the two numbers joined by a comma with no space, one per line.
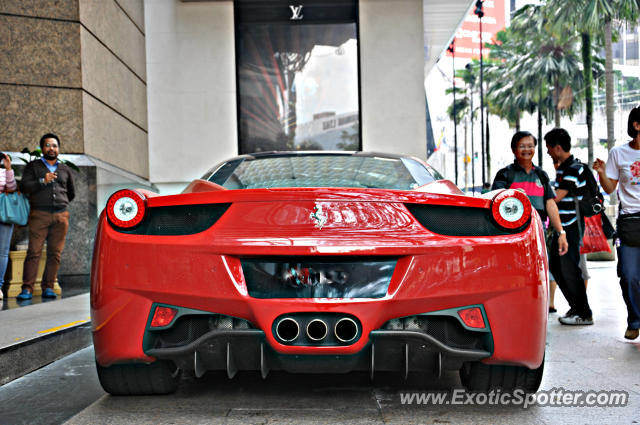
(178,220)
(445,329)
(188,328)
(185,330)
(449,331)
(458,221)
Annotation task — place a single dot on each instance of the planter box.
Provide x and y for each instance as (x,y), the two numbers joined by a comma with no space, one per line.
(13,284)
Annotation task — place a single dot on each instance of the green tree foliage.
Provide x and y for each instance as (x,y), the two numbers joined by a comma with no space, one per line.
(592,19)
(547,61)
(469,77)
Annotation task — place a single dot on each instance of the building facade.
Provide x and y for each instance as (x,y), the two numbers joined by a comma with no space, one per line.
(77,68)
(153,93)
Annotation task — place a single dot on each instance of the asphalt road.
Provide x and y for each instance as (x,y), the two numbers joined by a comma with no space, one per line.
(594,358)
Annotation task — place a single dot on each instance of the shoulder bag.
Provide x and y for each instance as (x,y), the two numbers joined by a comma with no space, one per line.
(14,208)
(628,229)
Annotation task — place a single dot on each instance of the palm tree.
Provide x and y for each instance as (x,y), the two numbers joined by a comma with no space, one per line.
(531,65)
(461,107)
(533,85)
(624,11)
(464,107)
(550,55)
(564,15)
(507,94)
(589,23)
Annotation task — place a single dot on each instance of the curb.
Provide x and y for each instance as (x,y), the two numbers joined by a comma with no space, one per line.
(19,359)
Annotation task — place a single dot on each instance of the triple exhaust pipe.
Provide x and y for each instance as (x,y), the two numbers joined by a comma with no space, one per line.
(288,330)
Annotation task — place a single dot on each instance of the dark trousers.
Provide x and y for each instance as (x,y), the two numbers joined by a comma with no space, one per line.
(50,227)
(566,271)
(629,272)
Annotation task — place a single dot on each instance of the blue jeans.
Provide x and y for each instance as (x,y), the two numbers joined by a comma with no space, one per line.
(629,272)
(6,230)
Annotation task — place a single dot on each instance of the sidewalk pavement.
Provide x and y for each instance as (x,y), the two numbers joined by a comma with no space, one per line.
(39,334)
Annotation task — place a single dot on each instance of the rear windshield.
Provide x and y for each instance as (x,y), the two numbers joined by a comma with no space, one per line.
(322,171)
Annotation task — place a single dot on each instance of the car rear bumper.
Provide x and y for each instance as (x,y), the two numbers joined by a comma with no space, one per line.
(389,350)
(506,275)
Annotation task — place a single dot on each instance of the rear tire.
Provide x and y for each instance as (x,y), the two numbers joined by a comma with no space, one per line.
(159,377)
(477,376)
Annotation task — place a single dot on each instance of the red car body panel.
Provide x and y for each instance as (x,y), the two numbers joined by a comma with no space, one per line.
(506,274)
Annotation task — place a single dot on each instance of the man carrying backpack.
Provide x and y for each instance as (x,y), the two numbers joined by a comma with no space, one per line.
(571,187)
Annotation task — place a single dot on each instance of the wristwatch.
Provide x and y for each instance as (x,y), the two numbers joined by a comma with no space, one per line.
(563,232)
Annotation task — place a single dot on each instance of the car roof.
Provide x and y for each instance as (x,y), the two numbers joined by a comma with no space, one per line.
(281,154)
(275,154)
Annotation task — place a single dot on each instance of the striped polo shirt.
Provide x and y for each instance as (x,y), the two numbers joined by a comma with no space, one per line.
(570,176)
(538,189)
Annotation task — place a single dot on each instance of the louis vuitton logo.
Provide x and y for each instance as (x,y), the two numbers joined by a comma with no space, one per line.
(296,12)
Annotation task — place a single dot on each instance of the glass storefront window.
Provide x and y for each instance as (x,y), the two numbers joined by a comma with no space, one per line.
(297,85)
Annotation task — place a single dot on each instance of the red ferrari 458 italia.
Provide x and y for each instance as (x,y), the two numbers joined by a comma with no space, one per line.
(319,262)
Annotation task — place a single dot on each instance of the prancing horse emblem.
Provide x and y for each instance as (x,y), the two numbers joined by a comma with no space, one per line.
(318,216)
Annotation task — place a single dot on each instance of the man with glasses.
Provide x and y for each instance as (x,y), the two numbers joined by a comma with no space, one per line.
(49,184)
(533,181)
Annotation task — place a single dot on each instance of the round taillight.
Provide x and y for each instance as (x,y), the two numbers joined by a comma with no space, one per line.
(126,208)
(511,209)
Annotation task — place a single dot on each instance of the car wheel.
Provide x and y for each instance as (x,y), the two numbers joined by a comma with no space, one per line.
(159,377)
(477,376)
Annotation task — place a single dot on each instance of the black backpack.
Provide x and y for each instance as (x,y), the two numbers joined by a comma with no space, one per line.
(592,202)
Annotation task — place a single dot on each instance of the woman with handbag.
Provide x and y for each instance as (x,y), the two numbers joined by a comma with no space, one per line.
(7,184)
(623,167)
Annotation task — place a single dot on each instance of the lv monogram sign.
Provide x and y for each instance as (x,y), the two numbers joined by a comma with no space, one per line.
(296,12)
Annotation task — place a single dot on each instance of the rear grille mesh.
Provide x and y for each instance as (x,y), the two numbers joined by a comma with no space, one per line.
(188,328)
(178,220)
(445,329)
(457,221)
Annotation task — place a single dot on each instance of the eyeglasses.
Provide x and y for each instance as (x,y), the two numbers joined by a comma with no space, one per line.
(51,145)
(523,147)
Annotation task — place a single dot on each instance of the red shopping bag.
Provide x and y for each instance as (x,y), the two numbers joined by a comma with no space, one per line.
(594,239)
